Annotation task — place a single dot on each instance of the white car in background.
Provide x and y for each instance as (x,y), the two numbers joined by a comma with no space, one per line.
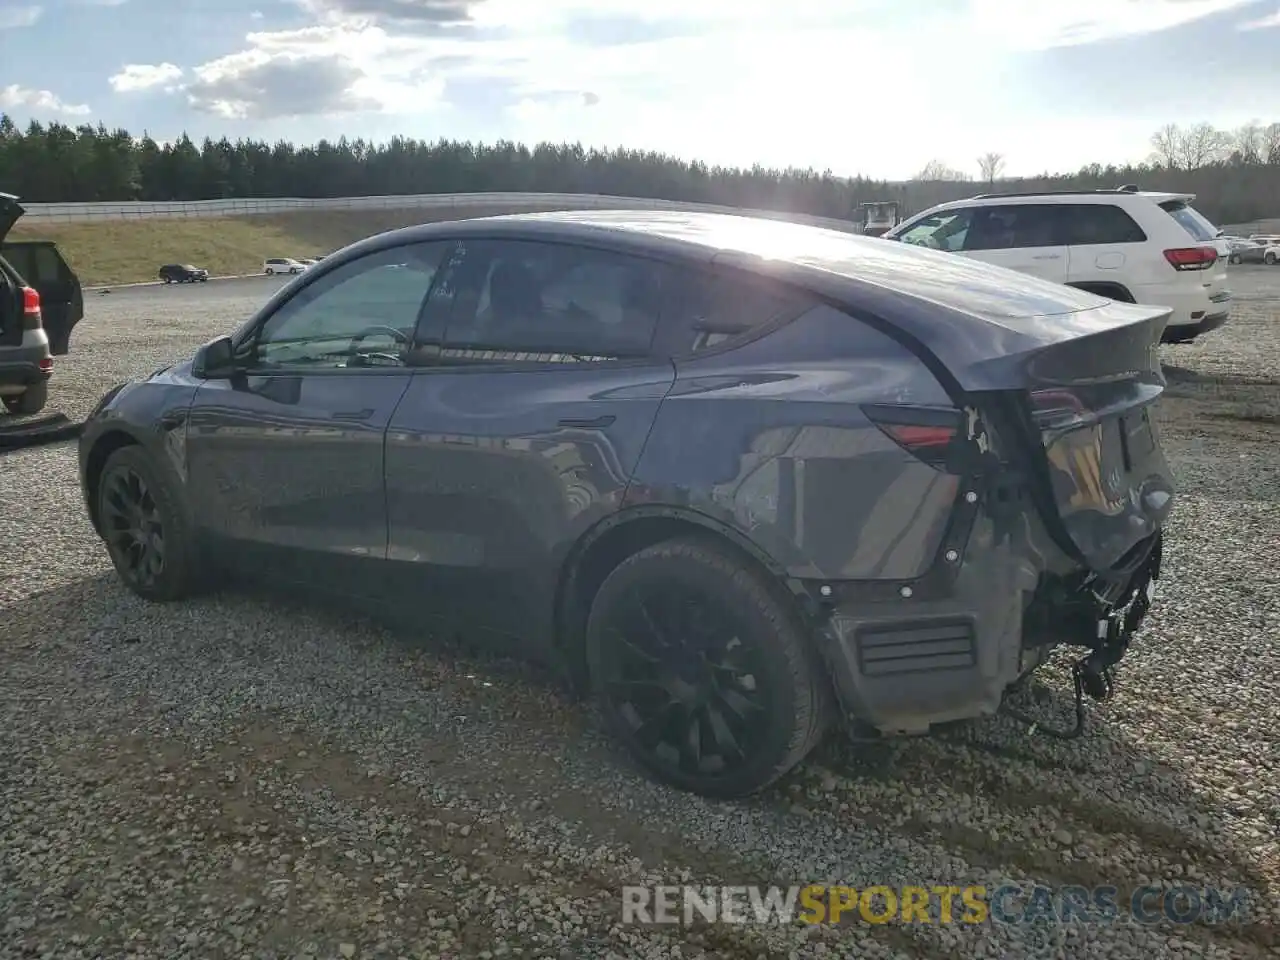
(282,265)
(1127,244)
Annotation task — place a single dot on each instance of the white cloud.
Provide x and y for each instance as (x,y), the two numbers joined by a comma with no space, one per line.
(1262,23)
(40,101)
(19,16)
(828,82)
(256,15)
(1039,26)
(321,70)
(145,76)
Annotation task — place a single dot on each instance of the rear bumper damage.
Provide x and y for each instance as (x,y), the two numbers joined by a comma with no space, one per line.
(954,648)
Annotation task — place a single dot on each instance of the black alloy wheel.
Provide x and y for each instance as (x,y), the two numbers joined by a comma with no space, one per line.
(132,527)
(147,534)
(702,671)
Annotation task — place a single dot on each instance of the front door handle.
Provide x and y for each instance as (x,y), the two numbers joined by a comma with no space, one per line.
(589,423)
(1047,256)
(364,414)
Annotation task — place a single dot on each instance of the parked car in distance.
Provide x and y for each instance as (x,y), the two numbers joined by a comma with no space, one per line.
(1245,251)
(41,302)
(1130,245)
(308,261)
(183,273)
(282,265)
(738,477)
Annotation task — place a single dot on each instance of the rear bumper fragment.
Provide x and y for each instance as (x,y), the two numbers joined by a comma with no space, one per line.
(903,665)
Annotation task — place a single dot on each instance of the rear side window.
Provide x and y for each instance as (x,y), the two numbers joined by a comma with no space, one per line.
(1011,226)
(711,309)
(1097,223)
(1190,219)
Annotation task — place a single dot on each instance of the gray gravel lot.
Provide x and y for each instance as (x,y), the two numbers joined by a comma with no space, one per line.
(244,776)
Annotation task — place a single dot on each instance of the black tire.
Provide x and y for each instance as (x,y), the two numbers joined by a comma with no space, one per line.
(293,270)
(697,591)
(1269,259)
(29,401)
(131,473)
(1234,258)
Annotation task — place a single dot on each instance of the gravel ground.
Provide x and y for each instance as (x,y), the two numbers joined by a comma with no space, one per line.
(244,776)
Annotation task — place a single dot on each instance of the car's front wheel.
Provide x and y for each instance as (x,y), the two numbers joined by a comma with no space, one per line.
(703,670)
(1235,258)
(147,533)
(31,400)
(1269,259)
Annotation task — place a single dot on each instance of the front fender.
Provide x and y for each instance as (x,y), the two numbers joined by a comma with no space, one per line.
(150,413)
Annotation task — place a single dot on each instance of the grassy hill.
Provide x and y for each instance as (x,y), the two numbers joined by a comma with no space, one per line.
(126,251)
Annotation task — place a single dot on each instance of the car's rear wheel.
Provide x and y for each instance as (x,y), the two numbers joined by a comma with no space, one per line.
(147,533)
(29,401)
(1235,258)
(703,670)
(1270,259)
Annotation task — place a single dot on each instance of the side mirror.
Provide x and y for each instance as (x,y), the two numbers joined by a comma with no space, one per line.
(214,360)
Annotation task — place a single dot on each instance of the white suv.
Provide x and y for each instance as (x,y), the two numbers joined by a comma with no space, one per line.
(1126,244)
(282,265)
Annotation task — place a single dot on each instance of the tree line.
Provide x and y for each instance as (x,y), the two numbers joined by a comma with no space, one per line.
(1235,174)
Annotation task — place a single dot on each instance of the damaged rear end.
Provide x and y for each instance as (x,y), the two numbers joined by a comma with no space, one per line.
(1063,493)
(1078,429)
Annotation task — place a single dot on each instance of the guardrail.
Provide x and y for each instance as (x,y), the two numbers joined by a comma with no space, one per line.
(467,204)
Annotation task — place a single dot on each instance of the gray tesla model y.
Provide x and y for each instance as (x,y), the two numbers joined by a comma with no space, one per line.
(742,479)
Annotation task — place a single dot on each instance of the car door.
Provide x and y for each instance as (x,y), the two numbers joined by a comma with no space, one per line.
(522,427)
(1027,237)
(1105,242)
(286,457)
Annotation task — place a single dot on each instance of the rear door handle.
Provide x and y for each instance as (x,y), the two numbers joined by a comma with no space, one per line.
(364,414)
(589,422)
(1047,256)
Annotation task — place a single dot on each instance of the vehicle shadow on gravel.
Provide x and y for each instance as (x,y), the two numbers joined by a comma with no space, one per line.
(1074,800)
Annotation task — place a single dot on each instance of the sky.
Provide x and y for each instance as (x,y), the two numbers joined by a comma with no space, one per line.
(872,87)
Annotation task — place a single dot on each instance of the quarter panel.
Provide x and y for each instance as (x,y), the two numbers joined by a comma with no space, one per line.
(769,439)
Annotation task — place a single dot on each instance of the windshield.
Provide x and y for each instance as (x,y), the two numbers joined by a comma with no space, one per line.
(942,231)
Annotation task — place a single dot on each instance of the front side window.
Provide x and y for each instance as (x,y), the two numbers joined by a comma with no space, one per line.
(521,301)
(940,231)
(361,314)
(1014,226)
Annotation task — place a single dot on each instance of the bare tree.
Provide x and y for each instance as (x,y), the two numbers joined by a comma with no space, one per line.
(1202,145)
(1166,144)
(1270,148)
(936,170)
(1247,143)
(991,166)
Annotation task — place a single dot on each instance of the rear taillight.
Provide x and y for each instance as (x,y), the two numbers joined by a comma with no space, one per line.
(31,318)
(928,433)
(1191,258)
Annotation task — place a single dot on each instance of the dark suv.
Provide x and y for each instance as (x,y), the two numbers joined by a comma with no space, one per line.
(738,477)
(40,304)
(183,273)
